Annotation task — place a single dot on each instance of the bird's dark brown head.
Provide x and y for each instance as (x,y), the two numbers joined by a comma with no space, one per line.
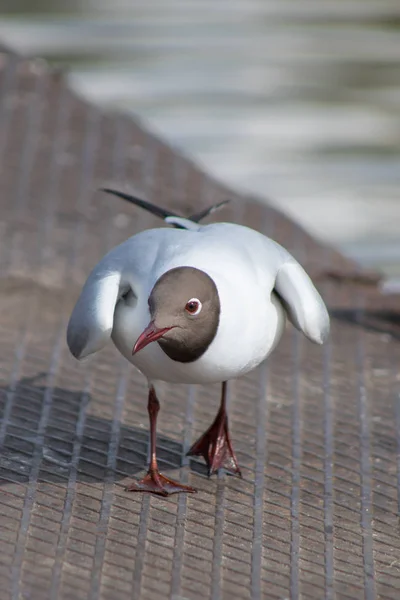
(185,309)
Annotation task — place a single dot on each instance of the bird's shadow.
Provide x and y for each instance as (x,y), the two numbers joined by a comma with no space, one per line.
(46,434)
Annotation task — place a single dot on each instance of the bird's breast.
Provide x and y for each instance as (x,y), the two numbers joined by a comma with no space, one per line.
(241,344)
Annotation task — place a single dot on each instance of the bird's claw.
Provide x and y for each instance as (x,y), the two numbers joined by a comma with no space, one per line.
(156,483)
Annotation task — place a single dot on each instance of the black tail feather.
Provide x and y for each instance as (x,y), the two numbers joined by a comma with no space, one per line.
(158,211)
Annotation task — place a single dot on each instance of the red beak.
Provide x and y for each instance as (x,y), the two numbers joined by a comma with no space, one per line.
(150,334)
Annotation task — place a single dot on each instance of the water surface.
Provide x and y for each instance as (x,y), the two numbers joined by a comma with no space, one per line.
(297,101)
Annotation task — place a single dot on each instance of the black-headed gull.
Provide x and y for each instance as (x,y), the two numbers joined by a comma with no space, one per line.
(213,297)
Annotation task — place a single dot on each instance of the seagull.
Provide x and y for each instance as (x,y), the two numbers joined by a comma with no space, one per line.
(194,304)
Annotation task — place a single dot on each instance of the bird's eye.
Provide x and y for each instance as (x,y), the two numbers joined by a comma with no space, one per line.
(193,306)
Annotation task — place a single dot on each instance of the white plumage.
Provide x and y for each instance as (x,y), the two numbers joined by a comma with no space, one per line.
(137,295)
(247,268)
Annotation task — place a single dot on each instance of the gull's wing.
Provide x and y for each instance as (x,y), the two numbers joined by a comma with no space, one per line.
(281,273)
(91,322)
(303,304)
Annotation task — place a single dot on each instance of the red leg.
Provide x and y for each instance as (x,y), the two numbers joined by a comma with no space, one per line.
(215,444)
(154,482)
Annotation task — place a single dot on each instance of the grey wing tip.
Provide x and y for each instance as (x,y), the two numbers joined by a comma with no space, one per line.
(323,337)
(77,341)
(325,330)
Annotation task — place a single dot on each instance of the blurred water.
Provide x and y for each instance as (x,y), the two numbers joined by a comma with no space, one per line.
(295,100)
